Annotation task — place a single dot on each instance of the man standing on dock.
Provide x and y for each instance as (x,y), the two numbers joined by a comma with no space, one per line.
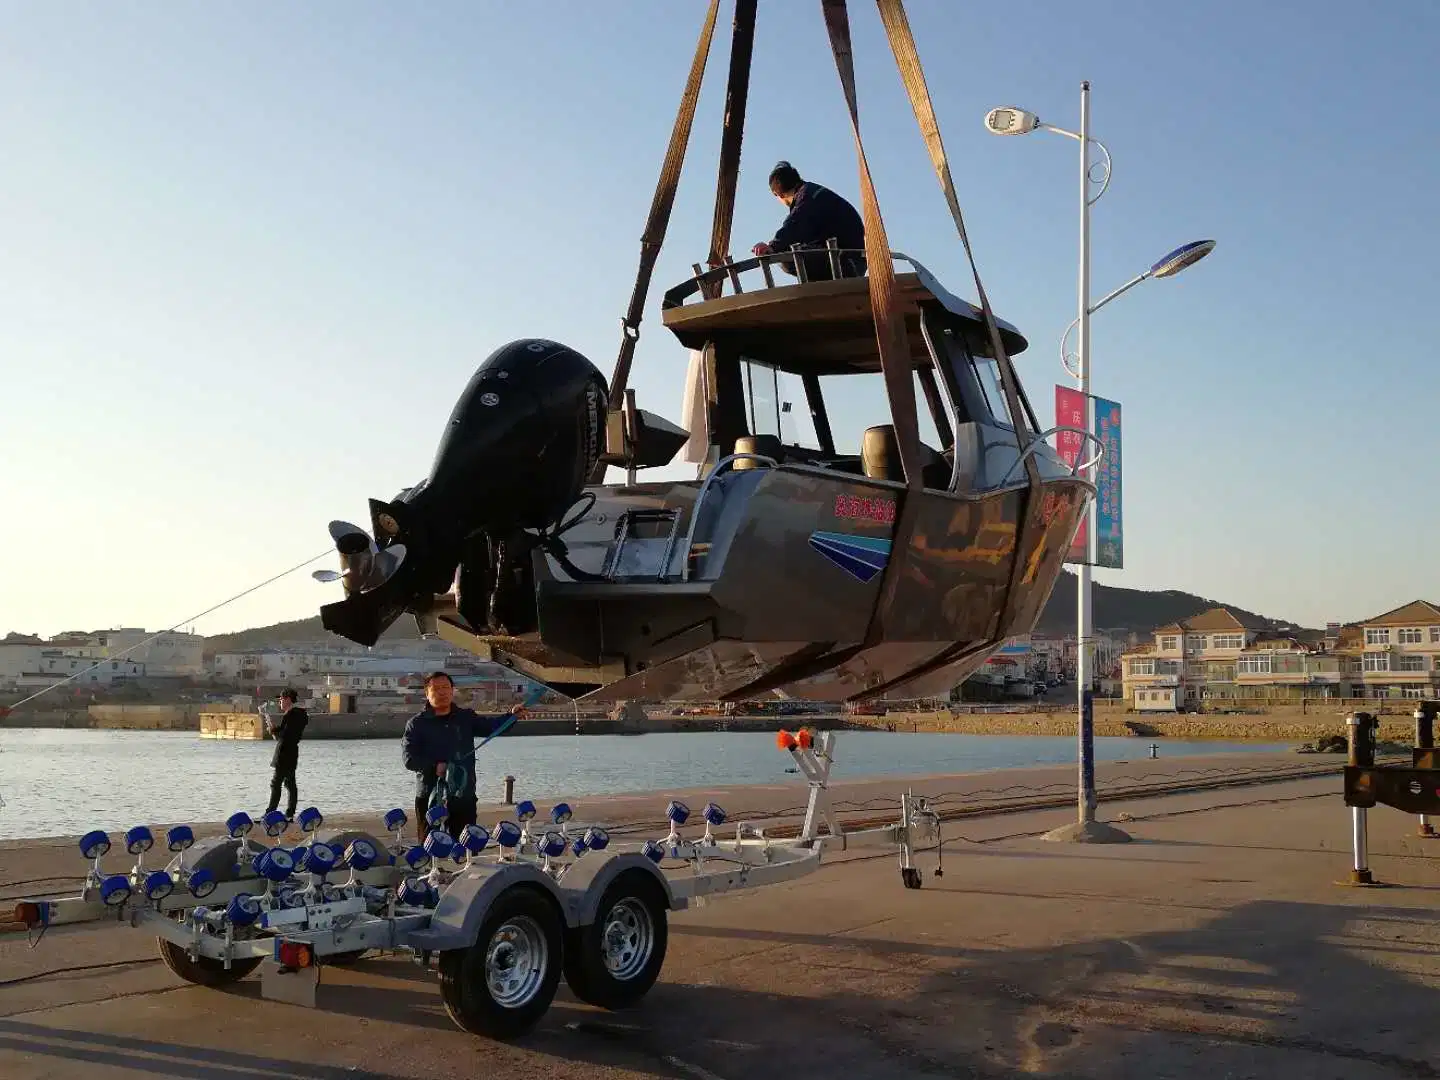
(286,758)
(439,748)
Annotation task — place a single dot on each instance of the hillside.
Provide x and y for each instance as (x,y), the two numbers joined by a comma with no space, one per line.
(1114,609)
(1137,610)
(301,631)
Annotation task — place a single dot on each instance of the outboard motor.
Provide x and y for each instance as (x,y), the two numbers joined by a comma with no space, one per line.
(516,454)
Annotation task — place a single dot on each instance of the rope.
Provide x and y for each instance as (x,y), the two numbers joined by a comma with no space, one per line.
(171,630)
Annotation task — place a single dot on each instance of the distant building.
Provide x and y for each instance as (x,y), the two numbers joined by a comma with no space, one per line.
(333,670)
(1216,655)
(30,666)
(165,655)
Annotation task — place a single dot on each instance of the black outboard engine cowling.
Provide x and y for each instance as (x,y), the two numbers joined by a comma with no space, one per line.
(517,453)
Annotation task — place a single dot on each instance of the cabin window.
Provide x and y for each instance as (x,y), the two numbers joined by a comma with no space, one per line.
(987,374)
(762,397)
(857,402)
(775,404)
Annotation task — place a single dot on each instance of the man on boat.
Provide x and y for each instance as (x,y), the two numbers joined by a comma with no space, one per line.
(439,748)
(286,758)
(816,215)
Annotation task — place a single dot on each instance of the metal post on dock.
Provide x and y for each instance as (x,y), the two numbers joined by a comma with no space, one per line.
(1425,740)
(509,791)
(1361,730)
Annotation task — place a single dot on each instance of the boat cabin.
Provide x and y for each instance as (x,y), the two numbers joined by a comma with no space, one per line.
(752,352)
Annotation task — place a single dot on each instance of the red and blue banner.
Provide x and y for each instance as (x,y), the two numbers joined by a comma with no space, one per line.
(1070,411)
(1101,417)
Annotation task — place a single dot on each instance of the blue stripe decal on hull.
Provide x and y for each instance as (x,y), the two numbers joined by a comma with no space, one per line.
(862,557)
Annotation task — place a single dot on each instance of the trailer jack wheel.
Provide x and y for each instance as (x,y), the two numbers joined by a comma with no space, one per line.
(614,961)
(910,877)
(501,986)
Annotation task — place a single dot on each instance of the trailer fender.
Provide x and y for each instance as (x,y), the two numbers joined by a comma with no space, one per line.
(455,923)
(587,879)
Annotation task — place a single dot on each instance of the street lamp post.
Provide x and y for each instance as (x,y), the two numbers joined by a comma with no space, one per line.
(1010,120)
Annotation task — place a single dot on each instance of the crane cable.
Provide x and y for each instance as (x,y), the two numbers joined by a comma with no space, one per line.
(160,633)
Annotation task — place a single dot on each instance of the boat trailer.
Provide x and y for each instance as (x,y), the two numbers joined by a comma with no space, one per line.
(1412,789)
(500,914)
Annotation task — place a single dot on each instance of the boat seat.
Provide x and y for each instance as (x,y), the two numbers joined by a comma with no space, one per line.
(880,459)
(768,445)
(880,454)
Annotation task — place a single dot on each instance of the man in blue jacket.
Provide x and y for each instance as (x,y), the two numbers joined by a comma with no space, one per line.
(816,215)
(439,748)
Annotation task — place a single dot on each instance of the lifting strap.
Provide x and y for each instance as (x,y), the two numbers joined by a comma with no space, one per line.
(737,93)
(659,219)
(890,336)
(907,59)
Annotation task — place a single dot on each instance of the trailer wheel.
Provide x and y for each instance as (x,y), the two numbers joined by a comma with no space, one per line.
(206,970)
(345,959)
(614,961)
(501,986)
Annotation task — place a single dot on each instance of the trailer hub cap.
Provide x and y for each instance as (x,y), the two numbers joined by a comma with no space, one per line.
(515,962)
(629,938)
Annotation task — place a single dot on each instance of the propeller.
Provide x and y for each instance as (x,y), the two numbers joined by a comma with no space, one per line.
(363,566)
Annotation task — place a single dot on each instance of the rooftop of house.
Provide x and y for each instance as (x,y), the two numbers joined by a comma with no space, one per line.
(1218,619)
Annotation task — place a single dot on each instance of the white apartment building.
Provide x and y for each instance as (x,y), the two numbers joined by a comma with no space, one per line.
(169,655)
(32,666)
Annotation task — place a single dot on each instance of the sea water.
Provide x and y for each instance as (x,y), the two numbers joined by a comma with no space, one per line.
(61,782)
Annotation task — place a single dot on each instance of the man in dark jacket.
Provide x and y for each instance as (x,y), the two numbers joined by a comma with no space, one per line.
(816,216)
(439,748)
(287,733)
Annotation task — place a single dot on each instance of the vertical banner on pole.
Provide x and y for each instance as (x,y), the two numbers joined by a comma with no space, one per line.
(1071,410)
(1109,532)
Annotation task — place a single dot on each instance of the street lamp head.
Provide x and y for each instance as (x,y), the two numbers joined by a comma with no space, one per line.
(1185,255)
(1010,120)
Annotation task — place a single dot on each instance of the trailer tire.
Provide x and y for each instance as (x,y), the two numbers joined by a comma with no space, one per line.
(614,961)
(206,970)
(502,985)
(345,959)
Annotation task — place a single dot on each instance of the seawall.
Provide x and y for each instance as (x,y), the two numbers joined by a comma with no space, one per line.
(1277,726)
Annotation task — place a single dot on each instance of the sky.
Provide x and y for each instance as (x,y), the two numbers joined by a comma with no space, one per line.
(250,254)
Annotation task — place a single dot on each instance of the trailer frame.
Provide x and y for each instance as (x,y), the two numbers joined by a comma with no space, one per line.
(500,930)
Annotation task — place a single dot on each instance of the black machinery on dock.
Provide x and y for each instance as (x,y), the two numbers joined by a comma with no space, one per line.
(1411,789)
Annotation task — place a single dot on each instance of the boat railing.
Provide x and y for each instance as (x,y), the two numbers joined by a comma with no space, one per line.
(729,459)
(1076,468)
(710,284)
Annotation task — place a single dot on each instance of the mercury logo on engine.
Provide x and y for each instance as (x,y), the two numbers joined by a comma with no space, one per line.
(592,425)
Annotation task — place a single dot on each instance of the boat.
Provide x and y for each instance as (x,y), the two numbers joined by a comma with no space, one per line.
(782,569)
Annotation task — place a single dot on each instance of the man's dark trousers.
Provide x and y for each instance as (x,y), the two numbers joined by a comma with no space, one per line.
(284,774)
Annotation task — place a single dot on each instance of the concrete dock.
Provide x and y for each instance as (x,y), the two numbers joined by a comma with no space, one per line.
(1218,944)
